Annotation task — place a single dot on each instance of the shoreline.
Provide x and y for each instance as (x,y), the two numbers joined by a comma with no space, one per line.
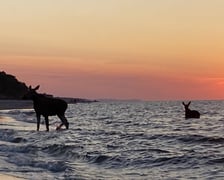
(15,104)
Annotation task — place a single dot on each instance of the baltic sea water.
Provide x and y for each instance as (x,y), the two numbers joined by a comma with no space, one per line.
(116,140)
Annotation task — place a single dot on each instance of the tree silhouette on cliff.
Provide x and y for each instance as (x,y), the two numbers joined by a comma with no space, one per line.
(10,87)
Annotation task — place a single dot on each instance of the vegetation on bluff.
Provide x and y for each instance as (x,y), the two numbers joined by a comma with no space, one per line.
(10,87)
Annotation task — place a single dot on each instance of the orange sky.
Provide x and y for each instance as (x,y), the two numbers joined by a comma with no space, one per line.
(129,49)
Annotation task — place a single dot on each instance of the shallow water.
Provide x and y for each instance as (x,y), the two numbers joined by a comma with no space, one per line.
(116,140)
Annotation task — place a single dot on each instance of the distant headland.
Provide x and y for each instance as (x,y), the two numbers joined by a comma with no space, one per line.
(13,89)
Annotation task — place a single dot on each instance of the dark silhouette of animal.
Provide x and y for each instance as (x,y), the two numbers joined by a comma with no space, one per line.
(190,113)
(47,106)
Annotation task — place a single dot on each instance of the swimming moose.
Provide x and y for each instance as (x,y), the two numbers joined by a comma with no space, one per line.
(190,113)
(47,106)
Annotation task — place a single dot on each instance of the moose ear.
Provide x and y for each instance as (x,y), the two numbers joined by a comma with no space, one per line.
(36,88)
(183,103)
(189,103)
(30,87)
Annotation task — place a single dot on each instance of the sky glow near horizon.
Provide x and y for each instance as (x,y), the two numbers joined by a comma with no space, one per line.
(123,49)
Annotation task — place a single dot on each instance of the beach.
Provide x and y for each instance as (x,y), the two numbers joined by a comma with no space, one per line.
(7,177)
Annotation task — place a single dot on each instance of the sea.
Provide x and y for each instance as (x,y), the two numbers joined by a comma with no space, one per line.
(116,140)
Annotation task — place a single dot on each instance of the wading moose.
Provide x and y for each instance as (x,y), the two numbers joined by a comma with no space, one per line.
(190,113)
(47,106)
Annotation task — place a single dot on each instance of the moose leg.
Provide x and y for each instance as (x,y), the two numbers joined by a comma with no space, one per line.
(64,122)
(38,122)
(47,123)
(59,127)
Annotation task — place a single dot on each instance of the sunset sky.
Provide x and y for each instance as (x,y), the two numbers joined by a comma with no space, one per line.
(123,49)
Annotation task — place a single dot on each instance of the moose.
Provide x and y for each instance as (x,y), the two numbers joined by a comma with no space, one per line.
(47,106)
(190,113)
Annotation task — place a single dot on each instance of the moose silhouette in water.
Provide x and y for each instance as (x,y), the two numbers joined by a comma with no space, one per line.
(190,113)
(47,106)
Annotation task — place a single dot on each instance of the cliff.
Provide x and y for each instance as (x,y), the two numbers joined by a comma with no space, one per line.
(10,87)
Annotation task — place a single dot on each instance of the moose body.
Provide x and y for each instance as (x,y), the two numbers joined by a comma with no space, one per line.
(190,113)
(47,106)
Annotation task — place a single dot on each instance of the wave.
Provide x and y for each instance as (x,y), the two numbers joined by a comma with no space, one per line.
(194,138)
(216,161)
(73,152)
(29,163)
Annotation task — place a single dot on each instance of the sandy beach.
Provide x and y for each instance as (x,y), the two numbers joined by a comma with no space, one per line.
(8,177)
